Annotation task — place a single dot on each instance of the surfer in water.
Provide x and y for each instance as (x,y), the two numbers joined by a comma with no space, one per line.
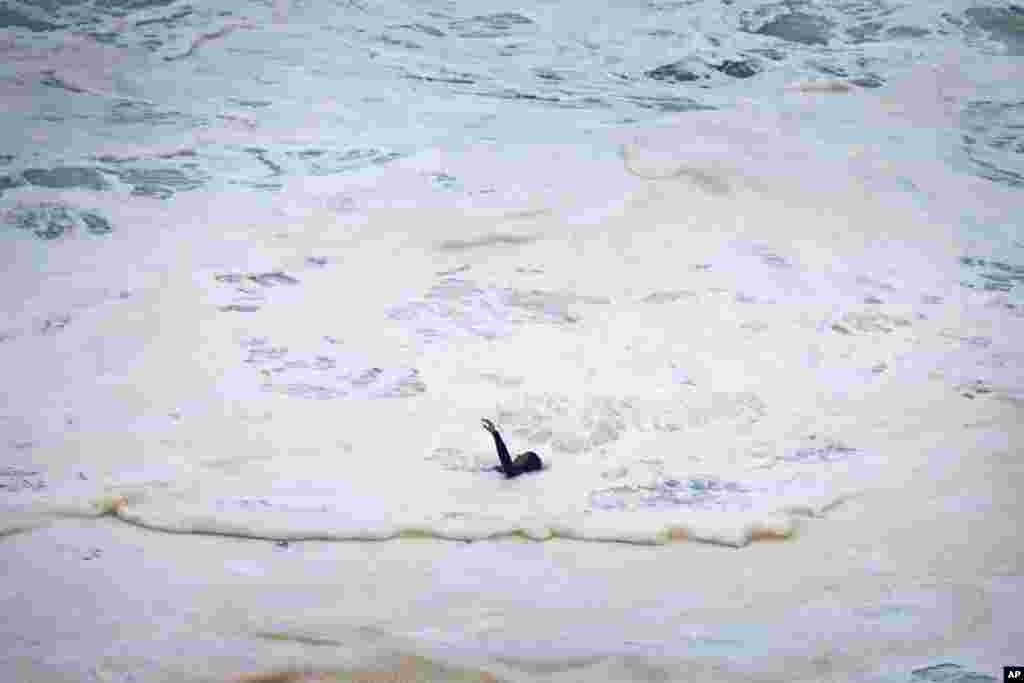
(524,462)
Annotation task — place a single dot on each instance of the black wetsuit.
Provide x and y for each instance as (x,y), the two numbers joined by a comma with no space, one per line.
(524,462)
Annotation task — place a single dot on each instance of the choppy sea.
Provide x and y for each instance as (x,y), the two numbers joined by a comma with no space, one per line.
(166,98)
(726,265)
(218,217)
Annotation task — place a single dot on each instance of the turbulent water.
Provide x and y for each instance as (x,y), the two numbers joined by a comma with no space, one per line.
(265,265)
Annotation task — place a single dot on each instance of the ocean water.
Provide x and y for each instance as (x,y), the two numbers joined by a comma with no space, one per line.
(266,266)
(724,265)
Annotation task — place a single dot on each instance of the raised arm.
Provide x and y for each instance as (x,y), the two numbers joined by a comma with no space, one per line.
(503,456)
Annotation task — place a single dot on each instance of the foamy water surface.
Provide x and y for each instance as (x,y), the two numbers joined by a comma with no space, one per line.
(725,266)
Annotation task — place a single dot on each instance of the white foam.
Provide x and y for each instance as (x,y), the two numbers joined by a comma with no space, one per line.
(704,327)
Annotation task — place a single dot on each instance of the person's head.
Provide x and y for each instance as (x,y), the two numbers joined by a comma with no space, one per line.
(533,461)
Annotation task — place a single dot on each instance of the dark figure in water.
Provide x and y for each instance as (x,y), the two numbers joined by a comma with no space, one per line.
(524,462)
